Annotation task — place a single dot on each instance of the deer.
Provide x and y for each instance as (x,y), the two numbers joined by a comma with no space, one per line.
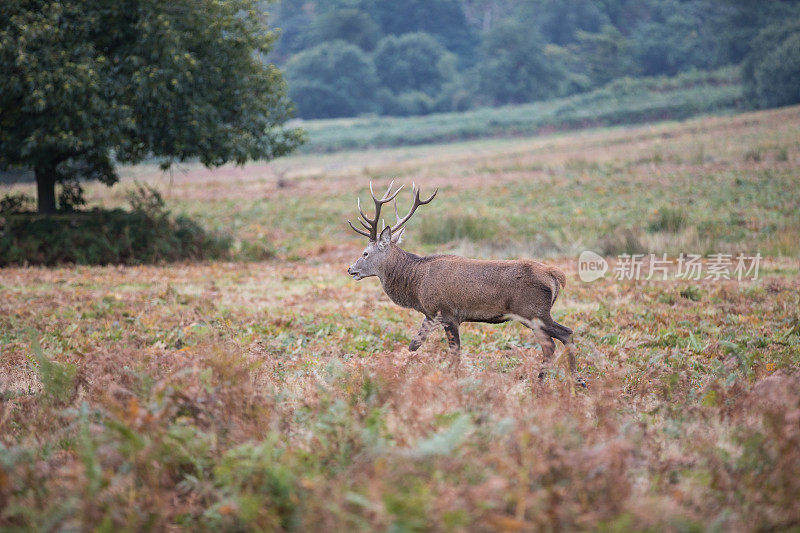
(450,290)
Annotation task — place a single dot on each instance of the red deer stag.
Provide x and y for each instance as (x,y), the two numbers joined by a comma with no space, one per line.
(449,290)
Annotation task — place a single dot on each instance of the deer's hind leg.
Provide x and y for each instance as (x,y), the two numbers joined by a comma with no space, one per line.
(539,332)
(564,334)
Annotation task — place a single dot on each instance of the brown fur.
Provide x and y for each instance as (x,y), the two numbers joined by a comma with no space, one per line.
(452,290)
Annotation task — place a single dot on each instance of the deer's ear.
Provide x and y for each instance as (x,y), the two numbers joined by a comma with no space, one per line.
(385,237)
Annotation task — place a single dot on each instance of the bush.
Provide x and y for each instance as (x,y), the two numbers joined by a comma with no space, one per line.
(16,203)
(146,234)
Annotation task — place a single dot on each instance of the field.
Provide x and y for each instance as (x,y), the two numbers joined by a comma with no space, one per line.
(278,394)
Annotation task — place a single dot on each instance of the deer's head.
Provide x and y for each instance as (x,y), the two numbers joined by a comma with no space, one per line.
(377,250)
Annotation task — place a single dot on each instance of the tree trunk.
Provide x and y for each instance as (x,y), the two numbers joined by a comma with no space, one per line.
(46,188)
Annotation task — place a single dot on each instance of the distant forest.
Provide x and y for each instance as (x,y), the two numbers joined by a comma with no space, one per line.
(413,57)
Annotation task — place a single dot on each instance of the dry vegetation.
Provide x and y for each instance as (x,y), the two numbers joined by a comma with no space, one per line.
(279,395)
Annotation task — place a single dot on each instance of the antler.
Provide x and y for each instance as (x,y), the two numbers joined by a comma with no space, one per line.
(371,224)
(417,202)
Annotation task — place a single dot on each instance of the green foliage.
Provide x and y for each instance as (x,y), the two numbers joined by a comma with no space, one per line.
(600,57)
(560,22)
(254,477)
(446,442)
(332,80)
(519,52)
(413,62)
(445,19)
(58,379)
(88,79)
(71,196)
(680,36)
(514,66)
(771,71)
(349,25)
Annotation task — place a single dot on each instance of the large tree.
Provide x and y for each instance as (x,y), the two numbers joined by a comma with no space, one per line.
(87,83)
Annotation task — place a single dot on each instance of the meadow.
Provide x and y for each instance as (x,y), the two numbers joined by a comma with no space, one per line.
(272,392)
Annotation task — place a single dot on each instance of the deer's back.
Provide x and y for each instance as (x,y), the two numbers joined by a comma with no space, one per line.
(480,290)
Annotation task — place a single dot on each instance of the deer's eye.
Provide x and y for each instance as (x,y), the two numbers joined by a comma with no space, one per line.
(366,254)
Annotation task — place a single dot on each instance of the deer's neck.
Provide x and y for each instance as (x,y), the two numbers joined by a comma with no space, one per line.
(401,275)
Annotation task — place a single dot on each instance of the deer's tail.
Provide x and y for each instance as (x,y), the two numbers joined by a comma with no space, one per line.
(559,279)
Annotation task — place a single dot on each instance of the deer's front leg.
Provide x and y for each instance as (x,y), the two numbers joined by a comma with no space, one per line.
(424,330)
(454,341)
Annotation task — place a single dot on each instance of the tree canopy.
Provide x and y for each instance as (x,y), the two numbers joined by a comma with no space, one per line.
(514,66)
(88,83)
(349,25)
(772,70)
(332,80)
(510,51)
(414,61)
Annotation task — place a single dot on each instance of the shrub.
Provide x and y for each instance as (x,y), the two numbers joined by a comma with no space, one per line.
(668,219)
(71,196)
(16,203)
(104,236)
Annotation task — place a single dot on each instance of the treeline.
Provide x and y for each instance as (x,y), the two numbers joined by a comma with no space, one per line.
(354,57)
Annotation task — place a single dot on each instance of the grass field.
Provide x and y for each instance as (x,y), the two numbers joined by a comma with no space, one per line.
(279,394)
